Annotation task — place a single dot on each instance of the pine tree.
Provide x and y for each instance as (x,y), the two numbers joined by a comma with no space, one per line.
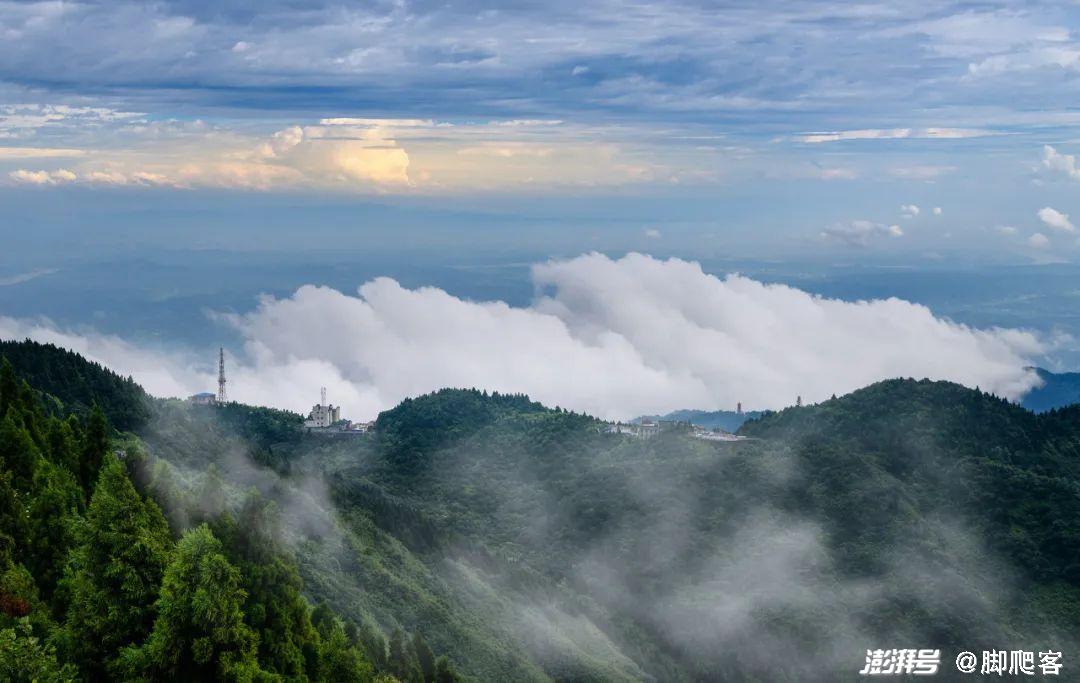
(113,572)
(53,507)
(398,662)
(425,658)
(95,446)
(199,633)
(444,672)
(373,644)
(63,443)
(9,386)
(18,454)
(339,662)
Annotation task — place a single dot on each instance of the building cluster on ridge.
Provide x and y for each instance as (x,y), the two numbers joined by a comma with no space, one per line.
(647,429)
(324,418)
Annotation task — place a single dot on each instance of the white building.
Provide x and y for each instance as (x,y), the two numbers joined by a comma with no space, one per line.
(322,415)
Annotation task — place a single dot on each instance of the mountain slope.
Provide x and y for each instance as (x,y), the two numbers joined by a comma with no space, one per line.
(78,383)
(1059,389)
(529,544)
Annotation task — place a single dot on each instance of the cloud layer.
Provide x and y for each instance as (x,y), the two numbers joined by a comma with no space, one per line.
(615,338)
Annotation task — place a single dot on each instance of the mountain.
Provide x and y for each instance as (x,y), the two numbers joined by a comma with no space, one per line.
(727,420)
(1058,390)
(528,544)
(78,383)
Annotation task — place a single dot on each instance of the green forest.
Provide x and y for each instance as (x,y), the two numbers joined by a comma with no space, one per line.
(481,536)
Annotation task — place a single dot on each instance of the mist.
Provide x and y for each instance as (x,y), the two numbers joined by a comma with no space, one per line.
(612,337)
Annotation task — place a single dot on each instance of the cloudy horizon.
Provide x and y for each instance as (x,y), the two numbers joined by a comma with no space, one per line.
(615,338)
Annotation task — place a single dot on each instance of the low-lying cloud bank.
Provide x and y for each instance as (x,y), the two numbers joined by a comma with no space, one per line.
(612,337)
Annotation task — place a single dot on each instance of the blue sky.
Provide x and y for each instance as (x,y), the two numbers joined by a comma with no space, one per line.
(174,176)
(769,126)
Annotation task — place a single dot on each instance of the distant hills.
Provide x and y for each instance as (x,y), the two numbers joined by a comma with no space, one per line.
(1059,390)
(727,420)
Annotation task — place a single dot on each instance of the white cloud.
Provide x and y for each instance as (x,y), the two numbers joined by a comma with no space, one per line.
(1060,163)
(893,134)
(653,233)
(38,152)
(927,172)
(909,210)
(1007,230)
(937,210)
(860,233)
(380,156)
(1056,219)
(1038,241)
(615,338)
(57,177)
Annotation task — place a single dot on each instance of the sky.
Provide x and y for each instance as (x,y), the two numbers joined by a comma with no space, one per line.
(819,139)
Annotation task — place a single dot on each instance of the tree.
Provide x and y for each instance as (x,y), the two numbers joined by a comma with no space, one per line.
(373,644)
(114,571)
(63,438)
(398,663)
(339,662)
(18,454)
(53,506)
(444,672)
(9,386)
(95,446)
(24,659)
(199,633)
(212,495)
(425,658)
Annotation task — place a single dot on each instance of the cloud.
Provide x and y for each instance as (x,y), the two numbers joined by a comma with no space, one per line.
(38,152)
(893,134)
(937,210)
(380,156)
(1038,241)
(1060,163)
(1007,230)
(927,172)
(909,210)
(860,233)
(58,177)
(653,233)
(615,338)
(1056,219)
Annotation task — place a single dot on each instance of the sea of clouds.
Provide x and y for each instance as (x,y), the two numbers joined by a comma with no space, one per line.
(612,337)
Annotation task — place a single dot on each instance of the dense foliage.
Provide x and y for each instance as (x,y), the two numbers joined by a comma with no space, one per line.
(79,383)
(96,583)
(529,544)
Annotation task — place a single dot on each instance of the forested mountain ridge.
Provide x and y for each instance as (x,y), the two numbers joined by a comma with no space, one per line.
(98,583)
(527,544)
(78,383)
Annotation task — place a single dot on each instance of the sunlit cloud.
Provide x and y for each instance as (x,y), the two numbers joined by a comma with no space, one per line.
(860,233)
(1056,219)
(894,134)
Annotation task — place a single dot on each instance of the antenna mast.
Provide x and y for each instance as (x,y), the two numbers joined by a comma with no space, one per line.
(221,397)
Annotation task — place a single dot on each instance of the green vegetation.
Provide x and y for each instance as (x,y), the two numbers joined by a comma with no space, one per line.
(96,583)
(77,384)
(524,543)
